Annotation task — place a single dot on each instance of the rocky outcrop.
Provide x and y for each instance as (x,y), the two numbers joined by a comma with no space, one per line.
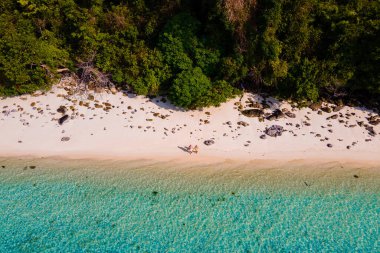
(253,113)
(315,106)
(276,114)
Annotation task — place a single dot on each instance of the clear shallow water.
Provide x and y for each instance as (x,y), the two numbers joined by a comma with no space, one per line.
(149,208)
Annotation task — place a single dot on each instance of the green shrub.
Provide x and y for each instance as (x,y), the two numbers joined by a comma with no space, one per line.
(27,62)
(303,81)
(191,89)
(221,91)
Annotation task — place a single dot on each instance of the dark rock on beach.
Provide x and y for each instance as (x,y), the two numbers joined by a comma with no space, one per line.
(374,120)
(243,123)
(252,113)
(63,119)
(209,142)
(274,131)
(335,116)
(326,109)
(290,114)
(371,131)
(62,109)
(315,106)
(64,139)
(277,114)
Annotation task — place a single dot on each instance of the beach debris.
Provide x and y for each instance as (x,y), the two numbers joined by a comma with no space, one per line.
(274,131)
(32,167)
(63,119)
(65,139)
(329,145)
(356,176)
(263,136)
(209,142)
(252,113)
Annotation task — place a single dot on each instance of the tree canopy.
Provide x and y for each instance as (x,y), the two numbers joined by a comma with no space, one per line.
(196,52)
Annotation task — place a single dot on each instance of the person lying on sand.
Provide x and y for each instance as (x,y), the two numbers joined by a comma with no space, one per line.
(195,149)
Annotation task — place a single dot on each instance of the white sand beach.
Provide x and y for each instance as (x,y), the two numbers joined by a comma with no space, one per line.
(123,126)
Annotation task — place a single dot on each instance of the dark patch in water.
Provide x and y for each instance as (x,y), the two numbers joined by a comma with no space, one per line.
(154,193)
(221,199)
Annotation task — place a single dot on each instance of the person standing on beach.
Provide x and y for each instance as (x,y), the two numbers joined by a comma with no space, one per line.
(195,149)
(190,149)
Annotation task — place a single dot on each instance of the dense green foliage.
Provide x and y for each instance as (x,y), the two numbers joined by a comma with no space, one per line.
(195,51)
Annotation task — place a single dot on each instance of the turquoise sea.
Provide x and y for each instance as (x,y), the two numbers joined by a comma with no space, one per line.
(142,206)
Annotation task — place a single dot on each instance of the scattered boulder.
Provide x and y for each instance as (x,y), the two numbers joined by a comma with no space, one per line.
(252,113)
(337,108)
(91,97)
(290,114)
(274,131)
(65,139)
(326,109)
(374,120)
(243,123)
(335,116)
(256,105)
(329,145)
(315,106)
(63,119)
(371,131)
(209,142)
(263,136)
(277,114)
(62,109)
